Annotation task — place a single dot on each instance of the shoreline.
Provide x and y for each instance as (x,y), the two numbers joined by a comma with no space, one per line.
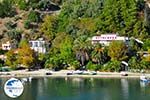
(63,74)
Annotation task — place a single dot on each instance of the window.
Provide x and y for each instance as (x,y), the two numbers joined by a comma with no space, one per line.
(30,43)
(35,44)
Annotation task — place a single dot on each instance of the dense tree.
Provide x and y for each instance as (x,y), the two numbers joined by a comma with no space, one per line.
(11,59)
(113,65)
(48,27)
(34,16)
(27,24)
(148,56)
(22,4)
(60,52)
(14,35)
(7,9)
(134,63)
(54,62)
(117,50)
(99,55)
(107,22)
(146,44)
(68,31)
(25,55)
(82,47)
(66,52)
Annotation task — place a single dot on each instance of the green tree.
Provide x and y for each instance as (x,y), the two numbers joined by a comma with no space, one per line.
(25,55)
(54,62)
(134,63)
(99,55)
(113,65)
(107,21)
(48,27)
(11,59)
(66,51)
(22,4)
(54,58)
(7,9)
(92,66)
(148,57)
(146,44)
(14,34)
(82,48)
(34,16)
(27,24)
(117,50)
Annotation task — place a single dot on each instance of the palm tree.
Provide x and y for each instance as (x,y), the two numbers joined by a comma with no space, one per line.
(99,54)
(82,48)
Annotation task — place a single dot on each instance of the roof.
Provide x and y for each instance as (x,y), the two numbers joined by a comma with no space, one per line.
(108,37)
(125,63)
(139,41)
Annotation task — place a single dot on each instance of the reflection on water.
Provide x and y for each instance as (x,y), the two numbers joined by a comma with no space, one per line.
(143,84)
(81,89)
(124,86)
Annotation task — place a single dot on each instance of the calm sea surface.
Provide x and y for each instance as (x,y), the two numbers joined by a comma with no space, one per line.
(81,89)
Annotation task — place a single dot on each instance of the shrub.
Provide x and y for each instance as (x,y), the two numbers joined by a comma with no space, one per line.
(75,64)
(112,66)
(34,16)
(27,24)
(92,66)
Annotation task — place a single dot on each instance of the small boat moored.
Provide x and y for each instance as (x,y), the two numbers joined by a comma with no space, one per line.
(143,78)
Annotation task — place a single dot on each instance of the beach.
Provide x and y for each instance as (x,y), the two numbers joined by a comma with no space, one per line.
(64,73)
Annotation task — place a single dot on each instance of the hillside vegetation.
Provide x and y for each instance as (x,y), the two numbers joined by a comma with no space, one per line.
(68,25)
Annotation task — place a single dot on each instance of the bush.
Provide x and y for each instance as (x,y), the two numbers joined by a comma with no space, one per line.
(92,66)
(27,24)
(112,66)
(54,62)
(22,4)
(75,64)
(6,9)
(14,34)
(34,16)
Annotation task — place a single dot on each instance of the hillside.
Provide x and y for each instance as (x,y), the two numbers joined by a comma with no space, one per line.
(68,25)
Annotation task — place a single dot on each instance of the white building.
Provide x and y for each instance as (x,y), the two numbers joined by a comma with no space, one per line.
(3,57)
(38,46)
(6,46)
(106,39)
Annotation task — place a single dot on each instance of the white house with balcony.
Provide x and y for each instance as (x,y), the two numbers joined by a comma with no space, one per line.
(38,46)
(106,39)
(6,46)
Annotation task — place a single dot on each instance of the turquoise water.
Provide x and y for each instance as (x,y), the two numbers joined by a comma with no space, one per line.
(81,89)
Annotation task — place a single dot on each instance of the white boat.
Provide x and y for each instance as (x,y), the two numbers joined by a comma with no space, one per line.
(143,78)
(123,73)
(77,72)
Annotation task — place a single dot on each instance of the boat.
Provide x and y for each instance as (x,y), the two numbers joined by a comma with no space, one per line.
(143,78)
(82,72)
(123,73)
(89,72)
(78,72)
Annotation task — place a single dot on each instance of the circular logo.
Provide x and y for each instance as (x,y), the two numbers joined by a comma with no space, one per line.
(13,88)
